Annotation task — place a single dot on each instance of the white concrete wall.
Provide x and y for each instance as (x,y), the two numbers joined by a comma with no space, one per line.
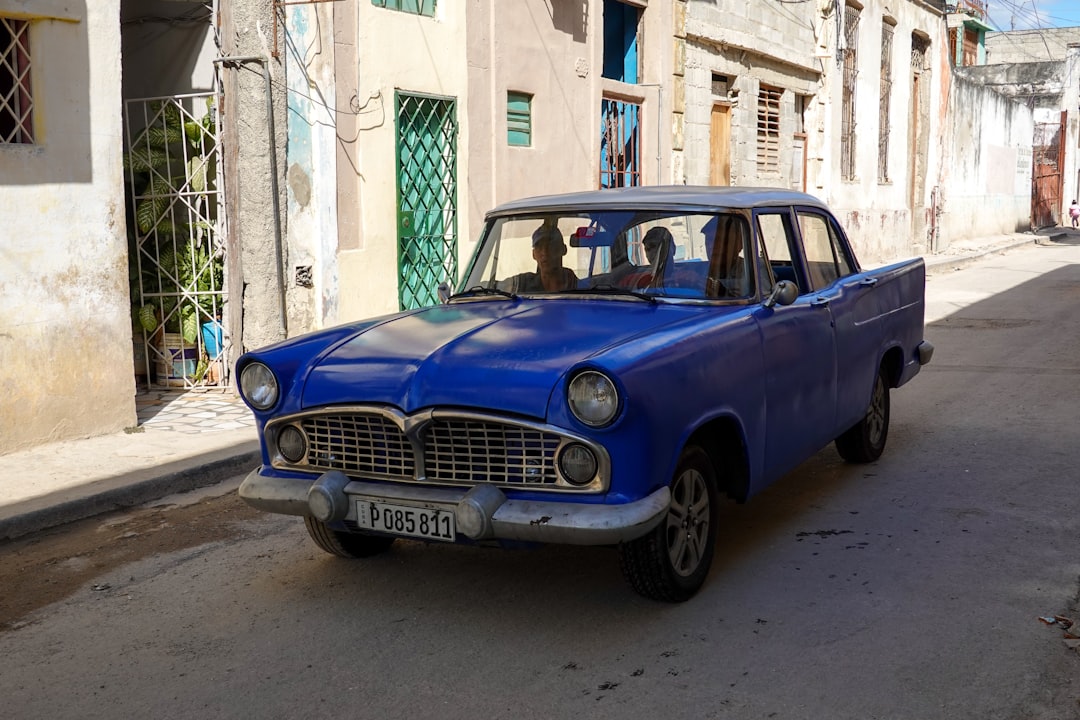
(414,54)
(553,51)
(1071,99)
(986,189)
(879,216)
(475,52)
(66,366)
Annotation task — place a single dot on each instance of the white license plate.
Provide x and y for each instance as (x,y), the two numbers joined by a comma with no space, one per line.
(406,520)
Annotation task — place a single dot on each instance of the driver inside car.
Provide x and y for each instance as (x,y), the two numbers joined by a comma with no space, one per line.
(548,250)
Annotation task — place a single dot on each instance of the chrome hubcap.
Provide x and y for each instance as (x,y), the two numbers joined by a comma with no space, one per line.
(687,522)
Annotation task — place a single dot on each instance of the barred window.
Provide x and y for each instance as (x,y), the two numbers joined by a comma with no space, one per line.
(847,110)
(768,128)
(16,100)
(885,101)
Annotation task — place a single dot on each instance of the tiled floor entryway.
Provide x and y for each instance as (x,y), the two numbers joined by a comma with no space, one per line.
(191,412)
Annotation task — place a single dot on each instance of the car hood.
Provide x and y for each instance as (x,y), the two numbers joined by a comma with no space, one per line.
(496,355)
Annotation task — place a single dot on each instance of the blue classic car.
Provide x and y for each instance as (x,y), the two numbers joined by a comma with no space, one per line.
(611,365)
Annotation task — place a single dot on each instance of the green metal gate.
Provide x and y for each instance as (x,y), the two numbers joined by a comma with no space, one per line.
(426,197)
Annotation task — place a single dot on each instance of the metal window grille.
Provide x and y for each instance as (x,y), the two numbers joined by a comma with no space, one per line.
(427,197)
(885,102)
(620,144)
(519,119)
(416,7)
(919,46)
(851,71)
(768,129)
(16,100)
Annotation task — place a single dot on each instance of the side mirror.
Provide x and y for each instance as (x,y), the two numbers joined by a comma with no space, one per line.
(784,293)
(444,292)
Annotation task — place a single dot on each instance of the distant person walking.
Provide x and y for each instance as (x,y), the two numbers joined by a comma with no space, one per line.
(1074,214)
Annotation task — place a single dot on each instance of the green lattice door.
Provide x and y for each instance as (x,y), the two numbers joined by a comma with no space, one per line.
(426,197)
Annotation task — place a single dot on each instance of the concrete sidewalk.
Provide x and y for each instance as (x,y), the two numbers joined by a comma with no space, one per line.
(190,440)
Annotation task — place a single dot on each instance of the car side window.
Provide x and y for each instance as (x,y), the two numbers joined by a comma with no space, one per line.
(775,231)
(825,259)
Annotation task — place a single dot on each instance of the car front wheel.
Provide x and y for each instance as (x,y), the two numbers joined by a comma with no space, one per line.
(670,563)
(345,544)
(865,440)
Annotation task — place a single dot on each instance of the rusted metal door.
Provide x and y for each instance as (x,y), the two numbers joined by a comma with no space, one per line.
(1048,158)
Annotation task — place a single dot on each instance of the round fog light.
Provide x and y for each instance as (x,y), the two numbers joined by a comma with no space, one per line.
(577,464)
(292,444)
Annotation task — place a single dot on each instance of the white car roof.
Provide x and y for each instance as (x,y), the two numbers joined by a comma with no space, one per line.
(660,197)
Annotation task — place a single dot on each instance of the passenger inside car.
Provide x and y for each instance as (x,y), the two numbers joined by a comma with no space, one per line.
(725,243)
(663,269)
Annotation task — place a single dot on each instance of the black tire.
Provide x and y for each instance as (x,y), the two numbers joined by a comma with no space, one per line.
(345,544)
(864,441)
(671,562)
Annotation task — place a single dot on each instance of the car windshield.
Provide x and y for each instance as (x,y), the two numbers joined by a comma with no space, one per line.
(703,256)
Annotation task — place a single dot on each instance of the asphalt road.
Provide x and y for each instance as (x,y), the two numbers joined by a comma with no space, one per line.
(910,588)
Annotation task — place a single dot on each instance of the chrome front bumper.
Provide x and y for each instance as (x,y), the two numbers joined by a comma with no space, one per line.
(482,512)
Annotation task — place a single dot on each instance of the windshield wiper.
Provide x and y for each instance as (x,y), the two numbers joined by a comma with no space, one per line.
(481,290)
(611,290)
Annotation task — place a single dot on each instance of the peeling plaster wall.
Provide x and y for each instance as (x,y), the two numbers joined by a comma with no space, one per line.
(311,273)
(885,218)
(66,367)
(987,190)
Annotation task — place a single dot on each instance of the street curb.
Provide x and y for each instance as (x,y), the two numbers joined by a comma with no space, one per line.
(129,490)
(955,262)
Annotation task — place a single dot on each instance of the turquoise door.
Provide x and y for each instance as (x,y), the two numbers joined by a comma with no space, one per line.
(426,197)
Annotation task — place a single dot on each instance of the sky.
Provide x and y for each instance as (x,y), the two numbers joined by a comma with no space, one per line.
(1028,14)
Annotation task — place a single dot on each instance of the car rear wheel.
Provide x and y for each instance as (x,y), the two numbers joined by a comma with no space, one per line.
(671,562)
(865,440)
(345,544)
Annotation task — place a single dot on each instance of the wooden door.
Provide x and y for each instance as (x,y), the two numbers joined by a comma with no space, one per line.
(720,145)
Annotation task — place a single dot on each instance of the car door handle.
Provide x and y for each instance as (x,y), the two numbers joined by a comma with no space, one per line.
(868,282)
(819,302)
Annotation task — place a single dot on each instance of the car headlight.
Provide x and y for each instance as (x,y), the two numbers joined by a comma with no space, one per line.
(592,398)
(259,386)
(578,464)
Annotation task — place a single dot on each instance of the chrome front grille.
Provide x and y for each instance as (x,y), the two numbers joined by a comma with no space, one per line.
(434,446)
(359,444)
(472,451)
